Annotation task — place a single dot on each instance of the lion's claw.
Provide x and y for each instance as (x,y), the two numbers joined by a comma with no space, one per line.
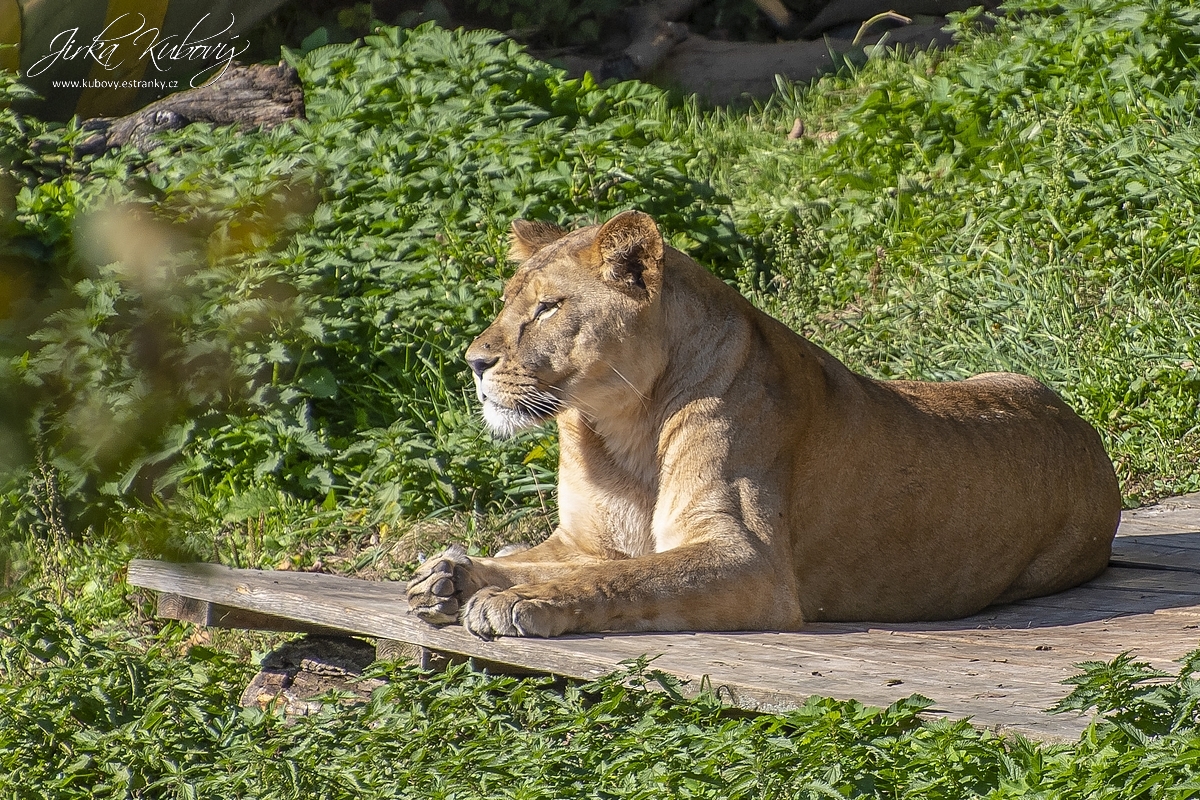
(435,589)
(490,614)
(493,612)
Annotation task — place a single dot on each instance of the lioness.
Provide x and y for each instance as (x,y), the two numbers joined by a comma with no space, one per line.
(719,472)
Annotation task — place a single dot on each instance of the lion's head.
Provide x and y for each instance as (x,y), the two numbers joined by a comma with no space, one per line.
(577,325)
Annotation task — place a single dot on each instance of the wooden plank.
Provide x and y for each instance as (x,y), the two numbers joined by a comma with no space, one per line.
(1154,637)
(200,612)
(1076,606)
(978,660)
(1184,538)
(1164,536)
(1158,525)
(748,679)
(1173,515)
(980,667)
(776,683)
(1186,503)
(368,608)
(358,604)
(1106,603)
(1175,551)
(850,674)
(1148,579)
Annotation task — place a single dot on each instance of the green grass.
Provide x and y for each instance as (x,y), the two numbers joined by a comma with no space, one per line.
(247,348)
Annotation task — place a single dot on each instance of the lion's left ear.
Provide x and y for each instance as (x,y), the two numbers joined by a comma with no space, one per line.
(631,250)
(526,238)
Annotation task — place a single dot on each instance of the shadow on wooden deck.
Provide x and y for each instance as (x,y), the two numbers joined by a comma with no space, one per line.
(1002,667)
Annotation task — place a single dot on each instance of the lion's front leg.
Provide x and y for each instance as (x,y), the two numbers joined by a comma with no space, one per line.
(440,586)
(496,612)
(696,587)
(443,585)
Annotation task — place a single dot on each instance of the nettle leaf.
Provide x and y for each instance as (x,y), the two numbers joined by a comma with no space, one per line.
(320,382)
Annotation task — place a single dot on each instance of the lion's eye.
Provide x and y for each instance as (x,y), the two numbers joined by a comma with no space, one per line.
(545,309)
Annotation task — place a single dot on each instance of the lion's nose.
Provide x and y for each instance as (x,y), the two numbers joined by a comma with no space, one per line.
(482,364)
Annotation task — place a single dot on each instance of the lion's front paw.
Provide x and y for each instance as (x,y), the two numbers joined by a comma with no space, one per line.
(496,612)
(435,590)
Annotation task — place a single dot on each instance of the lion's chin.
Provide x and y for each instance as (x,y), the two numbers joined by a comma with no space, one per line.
(507,422)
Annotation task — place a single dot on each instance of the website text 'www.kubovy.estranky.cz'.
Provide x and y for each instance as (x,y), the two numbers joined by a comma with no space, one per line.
(99,83)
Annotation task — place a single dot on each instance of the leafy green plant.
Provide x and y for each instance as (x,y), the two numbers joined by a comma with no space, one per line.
(1137,698)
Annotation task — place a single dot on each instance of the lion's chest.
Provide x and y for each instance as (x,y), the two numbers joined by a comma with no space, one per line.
(605,498)
(613,520)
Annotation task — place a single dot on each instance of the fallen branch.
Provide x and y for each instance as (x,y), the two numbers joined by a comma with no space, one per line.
(779,14)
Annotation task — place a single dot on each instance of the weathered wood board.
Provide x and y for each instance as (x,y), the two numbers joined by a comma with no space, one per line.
(1002,667)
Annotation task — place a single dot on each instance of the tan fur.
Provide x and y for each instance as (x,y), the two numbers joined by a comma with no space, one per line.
(719,472)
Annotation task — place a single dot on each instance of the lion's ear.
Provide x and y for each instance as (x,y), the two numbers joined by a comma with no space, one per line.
(631,250)
(528,237)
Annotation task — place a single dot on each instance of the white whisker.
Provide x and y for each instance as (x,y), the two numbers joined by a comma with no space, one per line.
(576,402)
(638,392)
(523,407)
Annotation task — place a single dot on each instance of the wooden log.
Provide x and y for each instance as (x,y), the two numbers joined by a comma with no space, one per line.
(297,673)
(843,12)
(258,95)
(655,30)
(723,72)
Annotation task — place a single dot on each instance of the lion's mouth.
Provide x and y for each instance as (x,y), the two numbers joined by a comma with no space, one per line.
(524,412)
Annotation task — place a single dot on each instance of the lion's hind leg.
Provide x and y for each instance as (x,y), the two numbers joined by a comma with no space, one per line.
(1074,557)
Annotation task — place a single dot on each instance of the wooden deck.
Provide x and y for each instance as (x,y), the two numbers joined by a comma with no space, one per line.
(1002,668)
